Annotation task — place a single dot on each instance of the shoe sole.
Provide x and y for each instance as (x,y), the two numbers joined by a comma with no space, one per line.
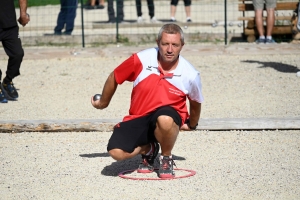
(144,171)
(6,94)
(166,175)
(4,101)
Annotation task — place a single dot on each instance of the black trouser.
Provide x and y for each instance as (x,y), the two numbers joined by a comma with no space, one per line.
(13,48)
(150,4)
(111,11)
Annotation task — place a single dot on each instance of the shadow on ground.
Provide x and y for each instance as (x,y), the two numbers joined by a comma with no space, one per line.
(281,67)
(120,166)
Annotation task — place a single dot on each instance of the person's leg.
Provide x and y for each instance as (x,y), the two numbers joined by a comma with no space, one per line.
(166,128)
(166,133)
(13,48)
(61,18)
(270,21)
(187,6)
(70,17)
(138,5)
(173,9)
(120,7)
(151,8)
(129,139)
(270,6)
(111,11)
(258,7)
(259,22)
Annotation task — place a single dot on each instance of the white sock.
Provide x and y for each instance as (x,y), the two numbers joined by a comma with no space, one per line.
(173,18)
(262,37)
(269,37)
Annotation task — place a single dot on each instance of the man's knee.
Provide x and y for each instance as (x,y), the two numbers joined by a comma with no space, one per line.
(165,122)
(117,154)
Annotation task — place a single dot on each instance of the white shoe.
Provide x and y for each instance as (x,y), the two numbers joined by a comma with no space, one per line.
(139,20)
(154,20)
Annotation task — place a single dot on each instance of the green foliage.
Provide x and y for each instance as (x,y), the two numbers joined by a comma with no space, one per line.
(38,2)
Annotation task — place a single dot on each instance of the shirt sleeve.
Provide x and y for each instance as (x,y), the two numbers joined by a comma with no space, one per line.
(128,70)
(195,92)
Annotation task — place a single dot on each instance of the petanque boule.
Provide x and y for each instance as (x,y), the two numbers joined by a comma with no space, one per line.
(96,97)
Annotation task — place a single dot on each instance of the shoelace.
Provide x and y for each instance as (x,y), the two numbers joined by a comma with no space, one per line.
(166,163)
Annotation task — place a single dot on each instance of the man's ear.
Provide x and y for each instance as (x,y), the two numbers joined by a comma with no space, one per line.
(157,42)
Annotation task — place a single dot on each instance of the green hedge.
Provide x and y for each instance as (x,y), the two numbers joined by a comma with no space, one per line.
(38,2)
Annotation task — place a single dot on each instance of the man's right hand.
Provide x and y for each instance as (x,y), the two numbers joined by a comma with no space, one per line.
(24,19)
(96,103)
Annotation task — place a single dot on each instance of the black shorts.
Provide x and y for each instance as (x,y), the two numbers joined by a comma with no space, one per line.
(140,131)
(186,2)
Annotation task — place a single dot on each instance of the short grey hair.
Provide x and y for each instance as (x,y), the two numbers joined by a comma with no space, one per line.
(171,29)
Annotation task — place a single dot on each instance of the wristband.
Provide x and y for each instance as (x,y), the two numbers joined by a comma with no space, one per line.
(190,127)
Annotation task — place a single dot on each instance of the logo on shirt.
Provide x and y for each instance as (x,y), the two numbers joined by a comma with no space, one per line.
(175,91)
(150,68)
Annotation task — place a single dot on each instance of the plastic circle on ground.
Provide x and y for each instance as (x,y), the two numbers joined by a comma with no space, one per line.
(183,173)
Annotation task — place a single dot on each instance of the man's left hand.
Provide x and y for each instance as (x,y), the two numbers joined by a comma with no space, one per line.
(185,127)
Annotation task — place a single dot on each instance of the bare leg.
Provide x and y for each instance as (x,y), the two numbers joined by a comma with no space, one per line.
(173,11)
(166,133)
(93,2)
(270,21)
(259,22)
(119,154)
(188,11)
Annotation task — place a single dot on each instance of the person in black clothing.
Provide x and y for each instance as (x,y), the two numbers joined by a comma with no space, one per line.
(150,4)
(9,36)
(111,12)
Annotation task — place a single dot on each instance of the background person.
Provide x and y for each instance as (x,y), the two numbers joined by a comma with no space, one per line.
(112,18)
(259,7)
(187,7)
(9,36)
(151,8)
(66,17)
(162,82)
(94,4)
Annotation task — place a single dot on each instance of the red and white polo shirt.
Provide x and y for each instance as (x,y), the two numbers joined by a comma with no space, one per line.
(152,89)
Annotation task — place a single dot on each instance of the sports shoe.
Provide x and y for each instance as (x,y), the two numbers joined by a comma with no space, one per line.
(146,165)
(140,20)
(188,20)
(260,41)
(9,91)
(2,97)
(172,19)
(166,167)
(270,41)
(154,20)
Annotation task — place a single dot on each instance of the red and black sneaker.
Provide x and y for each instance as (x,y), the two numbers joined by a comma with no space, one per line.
(166,167)
(146,165)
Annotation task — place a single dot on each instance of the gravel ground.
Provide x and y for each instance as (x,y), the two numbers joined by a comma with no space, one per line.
(228,164)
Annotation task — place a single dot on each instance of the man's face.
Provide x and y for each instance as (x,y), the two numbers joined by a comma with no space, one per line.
(169,47)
